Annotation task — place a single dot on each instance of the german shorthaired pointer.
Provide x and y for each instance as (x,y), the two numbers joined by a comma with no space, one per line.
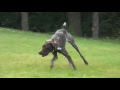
(57,44)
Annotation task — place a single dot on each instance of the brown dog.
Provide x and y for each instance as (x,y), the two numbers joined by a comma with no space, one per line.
(57,44)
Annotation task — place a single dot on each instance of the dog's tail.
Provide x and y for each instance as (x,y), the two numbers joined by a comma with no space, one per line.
(64,25)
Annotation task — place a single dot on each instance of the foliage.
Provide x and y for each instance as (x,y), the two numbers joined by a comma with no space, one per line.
(10,19)
(110,24)
(38,21)
(86,21)
(46,21)
(50,21)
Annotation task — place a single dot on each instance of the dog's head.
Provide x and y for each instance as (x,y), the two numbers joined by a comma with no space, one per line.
(48,47)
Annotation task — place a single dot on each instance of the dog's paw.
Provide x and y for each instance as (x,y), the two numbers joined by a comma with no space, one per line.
(51,66)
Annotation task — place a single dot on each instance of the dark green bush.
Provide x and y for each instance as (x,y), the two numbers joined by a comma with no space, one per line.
(51,21)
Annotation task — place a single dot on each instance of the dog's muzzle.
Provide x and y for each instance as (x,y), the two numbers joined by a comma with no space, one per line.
(42,54)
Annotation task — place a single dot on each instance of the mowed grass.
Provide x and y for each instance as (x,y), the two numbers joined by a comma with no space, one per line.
(19,57)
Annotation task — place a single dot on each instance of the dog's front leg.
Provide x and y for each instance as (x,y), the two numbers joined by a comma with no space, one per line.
(53,59)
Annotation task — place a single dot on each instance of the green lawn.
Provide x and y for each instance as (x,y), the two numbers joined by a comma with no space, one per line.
(19,57)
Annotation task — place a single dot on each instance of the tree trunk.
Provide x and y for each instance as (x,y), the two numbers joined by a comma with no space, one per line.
(95,27)
(24,21)
(74,21)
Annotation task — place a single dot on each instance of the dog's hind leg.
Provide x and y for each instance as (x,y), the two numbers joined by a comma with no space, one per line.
(53,59)
(64,52)
(75,46)
(70,39)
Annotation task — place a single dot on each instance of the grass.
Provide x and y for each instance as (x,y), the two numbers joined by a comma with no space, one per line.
(19,57)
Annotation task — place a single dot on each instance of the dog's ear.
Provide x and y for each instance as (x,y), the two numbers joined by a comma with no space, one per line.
(53,45)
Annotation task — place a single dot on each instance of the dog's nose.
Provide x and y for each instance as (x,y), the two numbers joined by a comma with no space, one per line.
(40,53)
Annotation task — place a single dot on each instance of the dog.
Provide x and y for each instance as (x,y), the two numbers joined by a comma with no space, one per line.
(57,44)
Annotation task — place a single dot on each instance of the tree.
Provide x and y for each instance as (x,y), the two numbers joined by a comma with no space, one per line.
(95,25)
(24,21)
(74,21)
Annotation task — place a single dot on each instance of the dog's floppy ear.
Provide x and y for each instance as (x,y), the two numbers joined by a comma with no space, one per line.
(54,45)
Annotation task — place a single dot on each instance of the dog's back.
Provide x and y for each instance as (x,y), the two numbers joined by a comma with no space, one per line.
(59,38)
(61,30)
(68,36)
